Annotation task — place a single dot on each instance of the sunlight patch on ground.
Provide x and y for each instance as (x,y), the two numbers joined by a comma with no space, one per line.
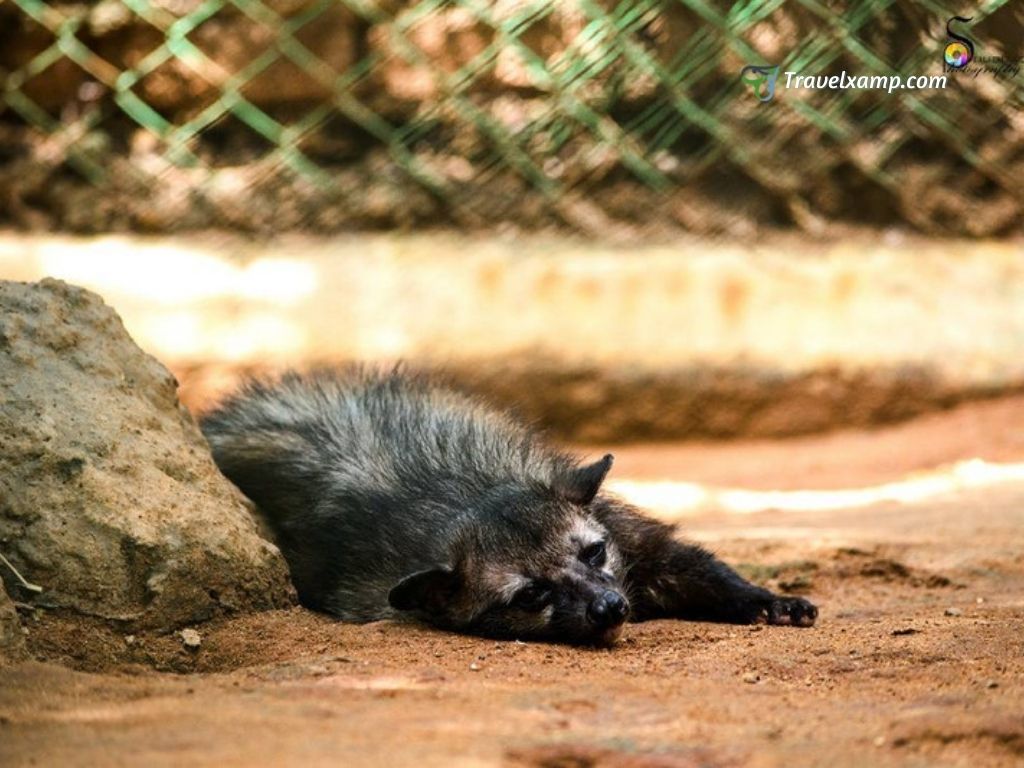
(384,683)
(671,499)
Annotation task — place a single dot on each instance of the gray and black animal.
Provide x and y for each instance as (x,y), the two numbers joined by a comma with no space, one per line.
(390,495)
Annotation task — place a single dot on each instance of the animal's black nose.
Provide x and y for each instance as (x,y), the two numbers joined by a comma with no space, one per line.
(608,609)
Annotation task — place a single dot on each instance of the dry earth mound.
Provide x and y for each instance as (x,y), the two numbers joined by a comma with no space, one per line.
(109,499)
(12,642)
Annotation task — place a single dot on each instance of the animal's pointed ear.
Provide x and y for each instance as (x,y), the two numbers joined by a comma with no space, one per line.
(581,485)
(430,591)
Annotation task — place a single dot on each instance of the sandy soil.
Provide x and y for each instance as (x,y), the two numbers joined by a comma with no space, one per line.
(917,658)
(992,430)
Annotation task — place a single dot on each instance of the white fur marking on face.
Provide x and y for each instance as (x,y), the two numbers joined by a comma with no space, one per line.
(614,561)
(585,531)
(507,584)
(547,613)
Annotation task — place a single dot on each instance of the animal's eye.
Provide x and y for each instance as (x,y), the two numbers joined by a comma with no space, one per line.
(594,554)
(532,597)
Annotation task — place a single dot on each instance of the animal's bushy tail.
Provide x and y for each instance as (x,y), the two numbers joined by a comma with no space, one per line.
(257,443)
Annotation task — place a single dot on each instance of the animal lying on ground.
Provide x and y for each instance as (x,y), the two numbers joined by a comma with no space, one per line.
(392,496)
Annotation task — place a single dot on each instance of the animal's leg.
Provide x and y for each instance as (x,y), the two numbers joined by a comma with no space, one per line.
(669,579)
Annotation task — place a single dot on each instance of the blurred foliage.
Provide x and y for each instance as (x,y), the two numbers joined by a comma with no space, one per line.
(334,114)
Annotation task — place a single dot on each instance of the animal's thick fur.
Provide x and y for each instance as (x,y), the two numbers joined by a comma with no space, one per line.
(389,495)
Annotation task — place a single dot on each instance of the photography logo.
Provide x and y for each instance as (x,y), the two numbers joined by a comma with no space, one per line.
(959,50)
(761,80)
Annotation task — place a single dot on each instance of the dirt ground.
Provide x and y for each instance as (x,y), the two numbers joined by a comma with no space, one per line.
(917,659)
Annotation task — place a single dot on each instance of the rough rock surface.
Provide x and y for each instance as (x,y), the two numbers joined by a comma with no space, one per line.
(12,641)
(109,499)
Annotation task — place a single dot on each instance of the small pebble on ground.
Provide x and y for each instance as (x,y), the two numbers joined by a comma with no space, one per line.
(190,638)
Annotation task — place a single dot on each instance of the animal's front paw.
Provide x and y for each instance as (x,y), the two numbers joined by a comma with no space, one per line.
(787,611)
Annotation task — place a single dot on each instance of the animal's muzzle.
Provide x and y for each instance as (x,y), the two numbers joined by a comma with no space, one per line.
(609,609)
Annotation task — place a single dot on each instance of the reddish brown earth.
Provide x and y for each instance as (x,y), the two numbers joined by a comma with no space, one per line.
(916,660)
(992,430)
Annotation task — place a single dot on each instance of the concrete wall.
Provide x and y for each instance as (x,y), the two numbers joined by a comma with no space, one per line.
(893,320)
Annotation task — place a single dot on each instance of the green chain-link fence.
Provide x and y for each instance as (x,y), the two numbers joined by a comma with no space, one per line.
(334,114)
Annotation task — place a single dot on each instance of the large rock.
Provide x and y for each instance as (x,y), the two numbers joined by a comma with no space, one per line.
(109,499)
(12,640)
